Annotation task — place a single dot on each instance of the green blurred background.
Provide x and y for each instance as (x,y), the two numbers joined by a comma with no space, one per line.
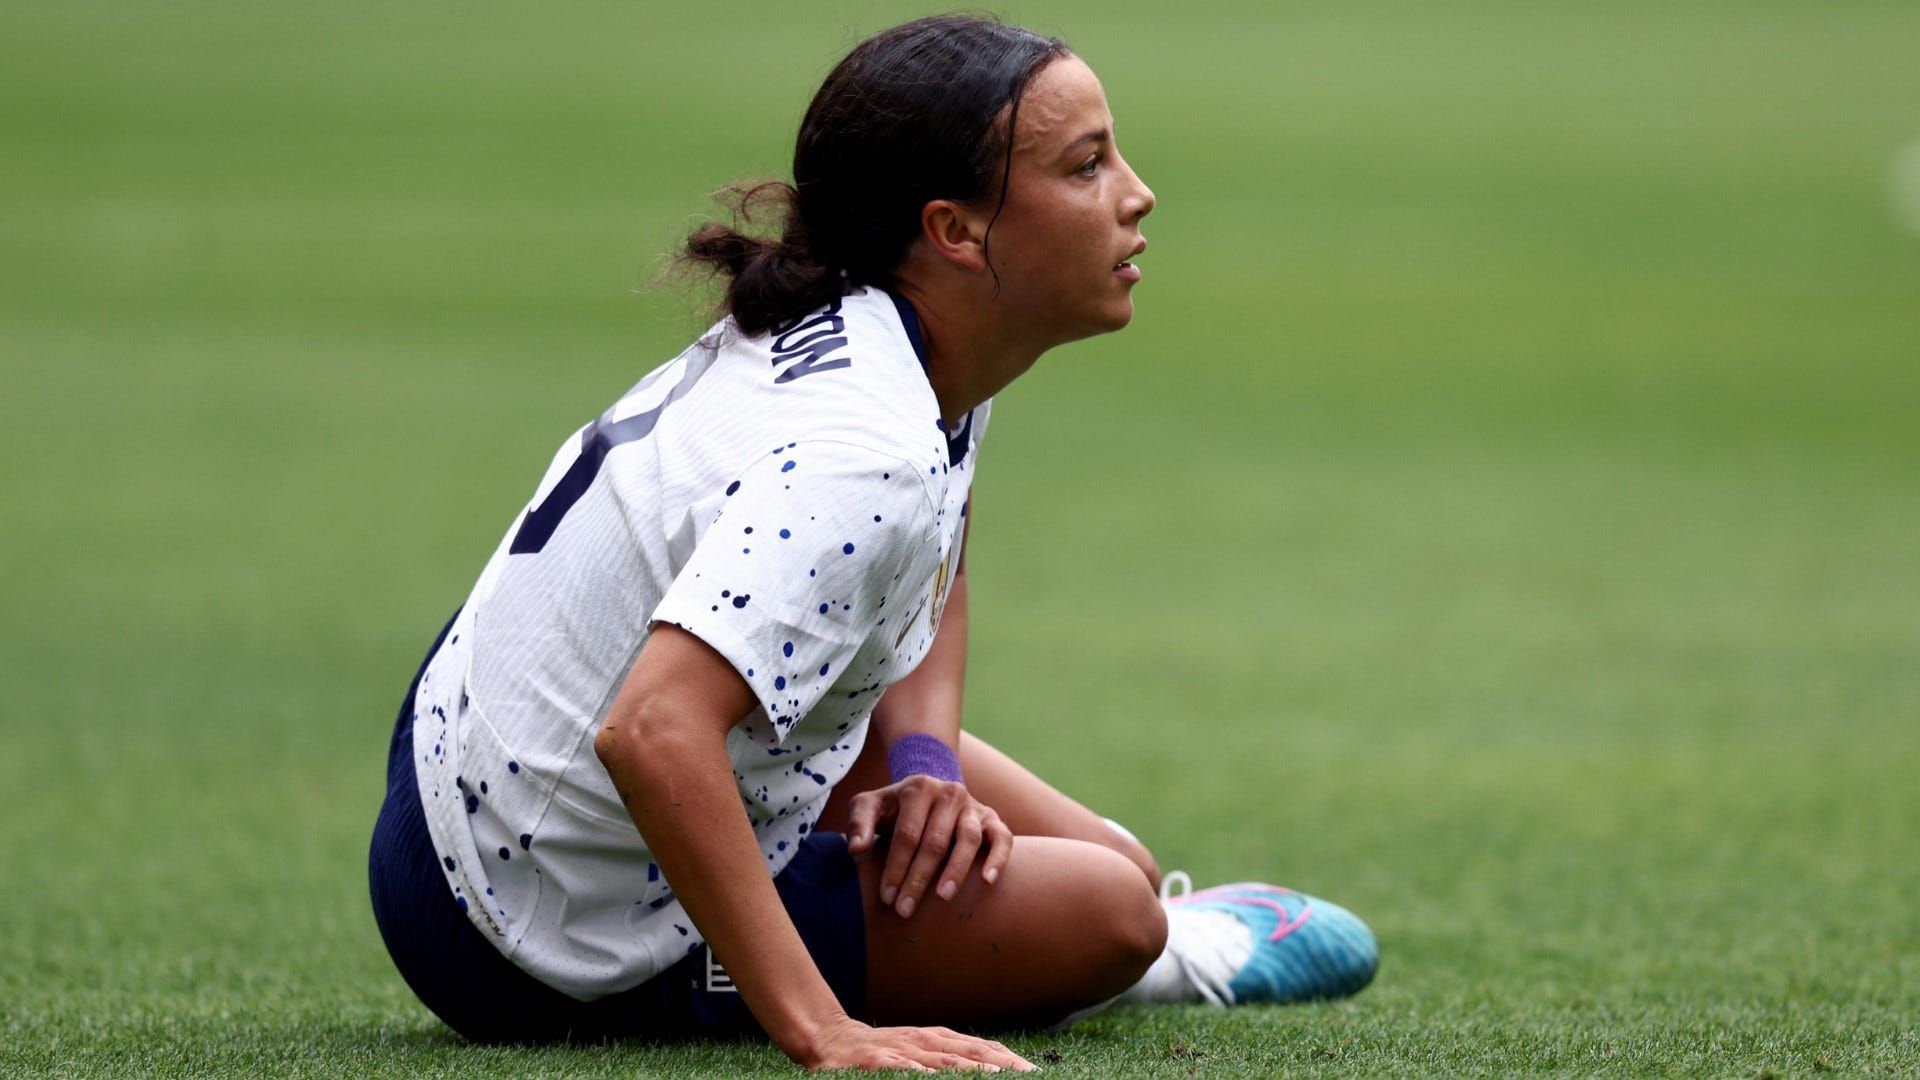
(1503,515)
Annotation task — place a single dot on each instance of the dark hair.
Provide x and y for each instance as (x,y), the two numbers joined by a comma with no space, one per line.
(909,116)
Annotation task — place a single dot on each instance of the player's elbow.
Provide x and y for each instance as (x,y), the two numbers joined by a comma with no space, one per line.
(630,736)
(609,743)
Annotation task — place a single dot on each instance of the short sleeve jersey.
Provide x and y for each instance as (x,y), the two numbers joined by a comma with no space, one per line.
(795,500)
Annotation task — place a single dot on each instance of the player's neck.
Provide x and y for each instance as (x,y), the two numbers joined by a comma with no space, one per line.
(971,355)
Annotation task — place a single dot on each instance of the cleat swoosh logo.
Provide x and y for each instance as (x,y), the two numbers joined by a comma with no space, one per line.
(1286,924)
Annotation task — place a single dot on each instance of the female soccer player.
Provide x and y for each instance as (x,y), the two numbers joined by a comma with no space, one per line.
(689,759)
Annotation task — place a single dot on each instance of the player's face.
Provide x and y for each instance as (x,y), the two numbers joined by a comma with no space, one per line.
(1064,242)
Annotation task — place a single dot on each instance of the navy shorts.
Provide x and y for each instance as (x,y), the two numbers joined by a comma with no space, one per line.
(478,992)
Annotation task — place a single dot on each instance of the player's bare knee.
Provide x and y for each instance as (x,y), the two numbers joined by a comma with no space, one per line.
(1124,842)
(1133,930)
(1146,936)
(1143,859)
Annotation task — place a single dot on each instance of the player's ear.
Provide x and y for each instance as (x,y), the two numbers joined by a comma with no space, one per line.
(955,234)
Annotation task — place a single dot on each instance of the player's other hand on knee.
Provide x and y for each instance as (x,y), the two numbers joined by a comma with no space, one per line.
(939,828)
(851,1044)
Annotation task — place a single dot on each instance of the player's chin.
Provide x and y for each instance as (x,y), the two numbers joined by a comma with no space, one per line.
(1112,308)
(1117,314)
(1099,314)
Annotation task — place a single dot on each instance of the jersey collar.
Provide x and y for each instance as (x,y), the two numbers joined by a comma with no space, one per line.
(910,322)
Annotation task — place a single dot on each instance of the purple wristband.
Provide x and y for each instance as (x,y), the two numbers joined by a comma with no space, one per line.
(922,754)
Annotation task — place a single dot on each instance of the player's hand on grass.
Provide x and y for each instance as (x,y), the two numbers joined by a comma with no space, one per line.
(850,1044)
(938,829)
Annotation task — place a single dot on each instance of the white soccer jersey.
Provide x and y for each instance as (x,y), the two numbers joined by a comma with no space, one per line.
(792,499)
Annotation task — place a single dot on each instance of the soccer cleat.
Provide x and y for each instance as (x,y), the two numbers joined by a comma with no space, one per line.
(1248,942)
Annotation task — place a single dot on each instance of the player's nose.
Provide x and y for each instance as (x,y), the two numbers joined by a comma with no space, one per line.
(1139,200)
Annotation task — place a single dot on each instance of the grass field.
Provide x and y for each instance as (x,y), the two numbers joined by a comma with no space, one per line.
(1502,517)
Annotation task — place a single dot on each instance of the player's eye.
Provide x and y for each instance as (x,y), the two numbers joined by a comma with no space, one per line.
(1091,165)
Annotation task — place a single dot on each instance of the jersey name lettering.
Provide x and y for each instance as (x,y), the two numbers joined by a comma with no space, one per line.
(809,342)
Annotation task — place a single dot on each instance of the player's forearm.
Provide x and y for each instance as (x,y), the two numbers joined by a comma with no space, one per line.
(681,794)
(928,701)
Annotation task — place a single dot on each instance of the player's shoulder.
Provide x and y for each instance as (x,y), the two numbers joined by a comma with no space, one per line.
(838,469)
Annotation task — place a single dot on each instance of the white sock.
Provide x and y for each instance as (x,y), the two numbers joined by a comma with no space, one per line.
(1164,983)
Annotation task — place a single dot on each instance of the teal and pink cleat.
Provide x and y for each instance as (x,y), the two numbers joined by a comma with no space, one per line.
(1248,942)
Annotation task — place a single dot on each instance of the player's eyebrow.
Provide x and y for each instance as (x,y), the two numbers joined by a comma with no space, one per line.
(1100,137)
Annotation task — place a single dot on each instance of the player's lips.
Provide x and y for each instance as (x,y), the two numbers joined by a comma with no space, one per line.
(1125,267)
